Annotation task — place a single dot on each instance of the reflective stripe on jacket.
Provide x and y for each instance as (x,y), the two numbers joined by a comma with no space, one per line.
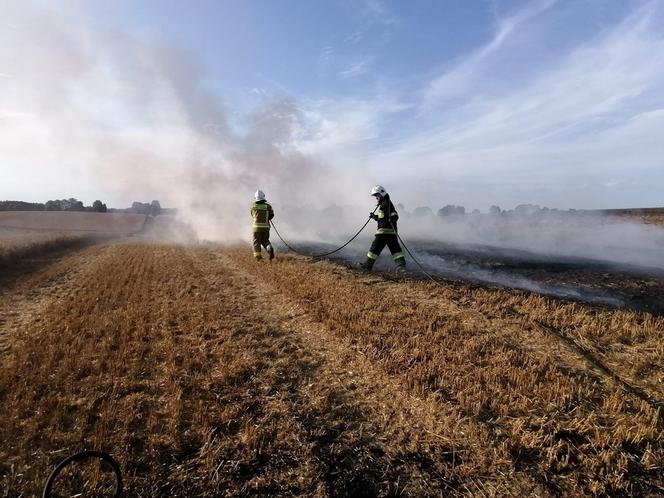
(386,216)
(261,214)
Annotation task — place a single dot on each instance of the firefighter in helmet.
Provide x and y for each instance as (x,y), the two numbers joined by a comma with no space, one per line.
(386,234)
(261,214)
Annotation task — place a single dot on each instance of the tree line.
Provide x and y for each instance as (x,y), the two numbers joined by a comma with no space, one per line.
(70,204)
(452,210)
(148,208)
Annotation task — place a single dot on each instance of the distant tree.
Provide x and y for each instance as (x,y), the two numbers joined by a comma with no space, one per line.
(53,206)
(527,209)
(494,210)
(422,212)
(99,207)
(451,210)
(155,208)
(140,207)
(476,211)
(446,210)
(21,206)
(74,205)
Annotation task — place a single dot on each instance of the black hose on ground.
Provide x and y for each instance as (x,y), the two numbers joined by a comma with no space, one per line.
(411,255)
(416,261)
(84,455)
(329,253)
(316,256)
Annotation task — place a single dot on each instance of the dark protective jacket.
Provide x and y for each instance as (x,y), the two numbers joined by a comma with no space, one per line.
(261,213)
(386,215)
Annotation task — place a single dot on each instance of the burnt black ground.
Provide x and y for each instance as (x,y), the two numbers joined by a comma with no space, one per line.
(591,281)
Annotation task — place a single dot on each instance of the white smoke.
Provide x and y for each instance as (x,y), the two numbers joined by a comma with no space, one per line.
(134,117)
(590,236)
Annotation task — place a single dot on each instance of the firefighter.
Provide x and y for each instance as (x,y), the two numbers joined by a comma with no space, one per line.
(261,214)
(386,235)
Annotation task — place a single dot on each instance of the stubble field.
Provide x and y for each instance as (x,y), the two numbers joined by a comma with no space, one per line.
(208,374)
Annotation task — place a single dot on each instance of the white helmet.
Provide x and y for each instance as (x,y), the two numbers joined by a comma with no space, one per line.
(259,195)
(378,190)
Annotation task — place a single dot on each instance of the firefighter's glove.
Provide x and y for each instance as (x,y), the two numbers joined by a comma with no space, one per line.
(373,216)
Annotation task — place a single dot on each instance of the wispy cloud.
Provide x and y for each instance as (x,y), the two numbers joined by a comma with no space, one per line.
(355,69)
(327,54)
(456,80)
(593,113)
(355,37)
(380,12)
(373,28)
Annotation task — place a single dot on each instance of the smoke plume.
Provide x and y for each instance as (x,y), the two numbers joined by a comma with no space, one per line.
(135,116)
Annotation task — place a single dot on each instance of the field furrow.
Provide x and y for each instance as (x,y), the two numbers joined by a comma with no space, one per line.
(30,286)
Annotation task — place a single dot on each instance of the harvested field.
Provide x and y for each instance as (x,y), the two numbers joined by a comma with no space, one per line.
(35,234)
(654,216)
(21,222)
(208,374)
(17,248)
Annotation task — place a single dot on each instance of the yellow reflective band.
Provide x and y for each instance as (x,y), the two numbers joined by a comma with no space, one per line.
(261,225)
(381,215)
(371,255)
(261,207)
(398,255)
(385,231)
(394,214)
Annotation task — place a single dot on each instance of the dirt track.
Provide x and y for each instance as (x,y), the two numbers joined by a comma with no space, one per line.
(207,374)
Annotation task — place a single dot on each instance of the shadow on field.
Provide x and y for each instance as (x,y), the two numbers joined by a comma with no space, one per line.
(32,260)
(599,365)
(282,426)
(304,418)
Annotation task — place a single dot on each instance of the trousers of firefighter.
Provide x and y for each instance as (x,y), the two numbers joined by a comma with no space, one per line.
(386,234)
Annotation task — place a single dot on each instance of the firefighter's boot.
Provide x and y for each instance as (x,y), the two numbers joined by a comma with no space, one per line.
(270,251)
(367,265)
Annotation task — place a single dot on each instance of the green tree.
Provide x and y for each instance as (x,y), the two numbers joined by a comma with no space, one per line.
(98,206)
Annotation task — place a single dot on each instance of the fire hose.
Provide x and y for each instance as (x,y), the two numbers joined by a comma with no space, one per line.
(329,253)
(433,279)
(85,455)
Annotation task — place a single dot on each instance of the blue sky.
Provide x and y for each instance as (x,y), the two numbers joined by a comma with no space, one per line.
(559,103)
